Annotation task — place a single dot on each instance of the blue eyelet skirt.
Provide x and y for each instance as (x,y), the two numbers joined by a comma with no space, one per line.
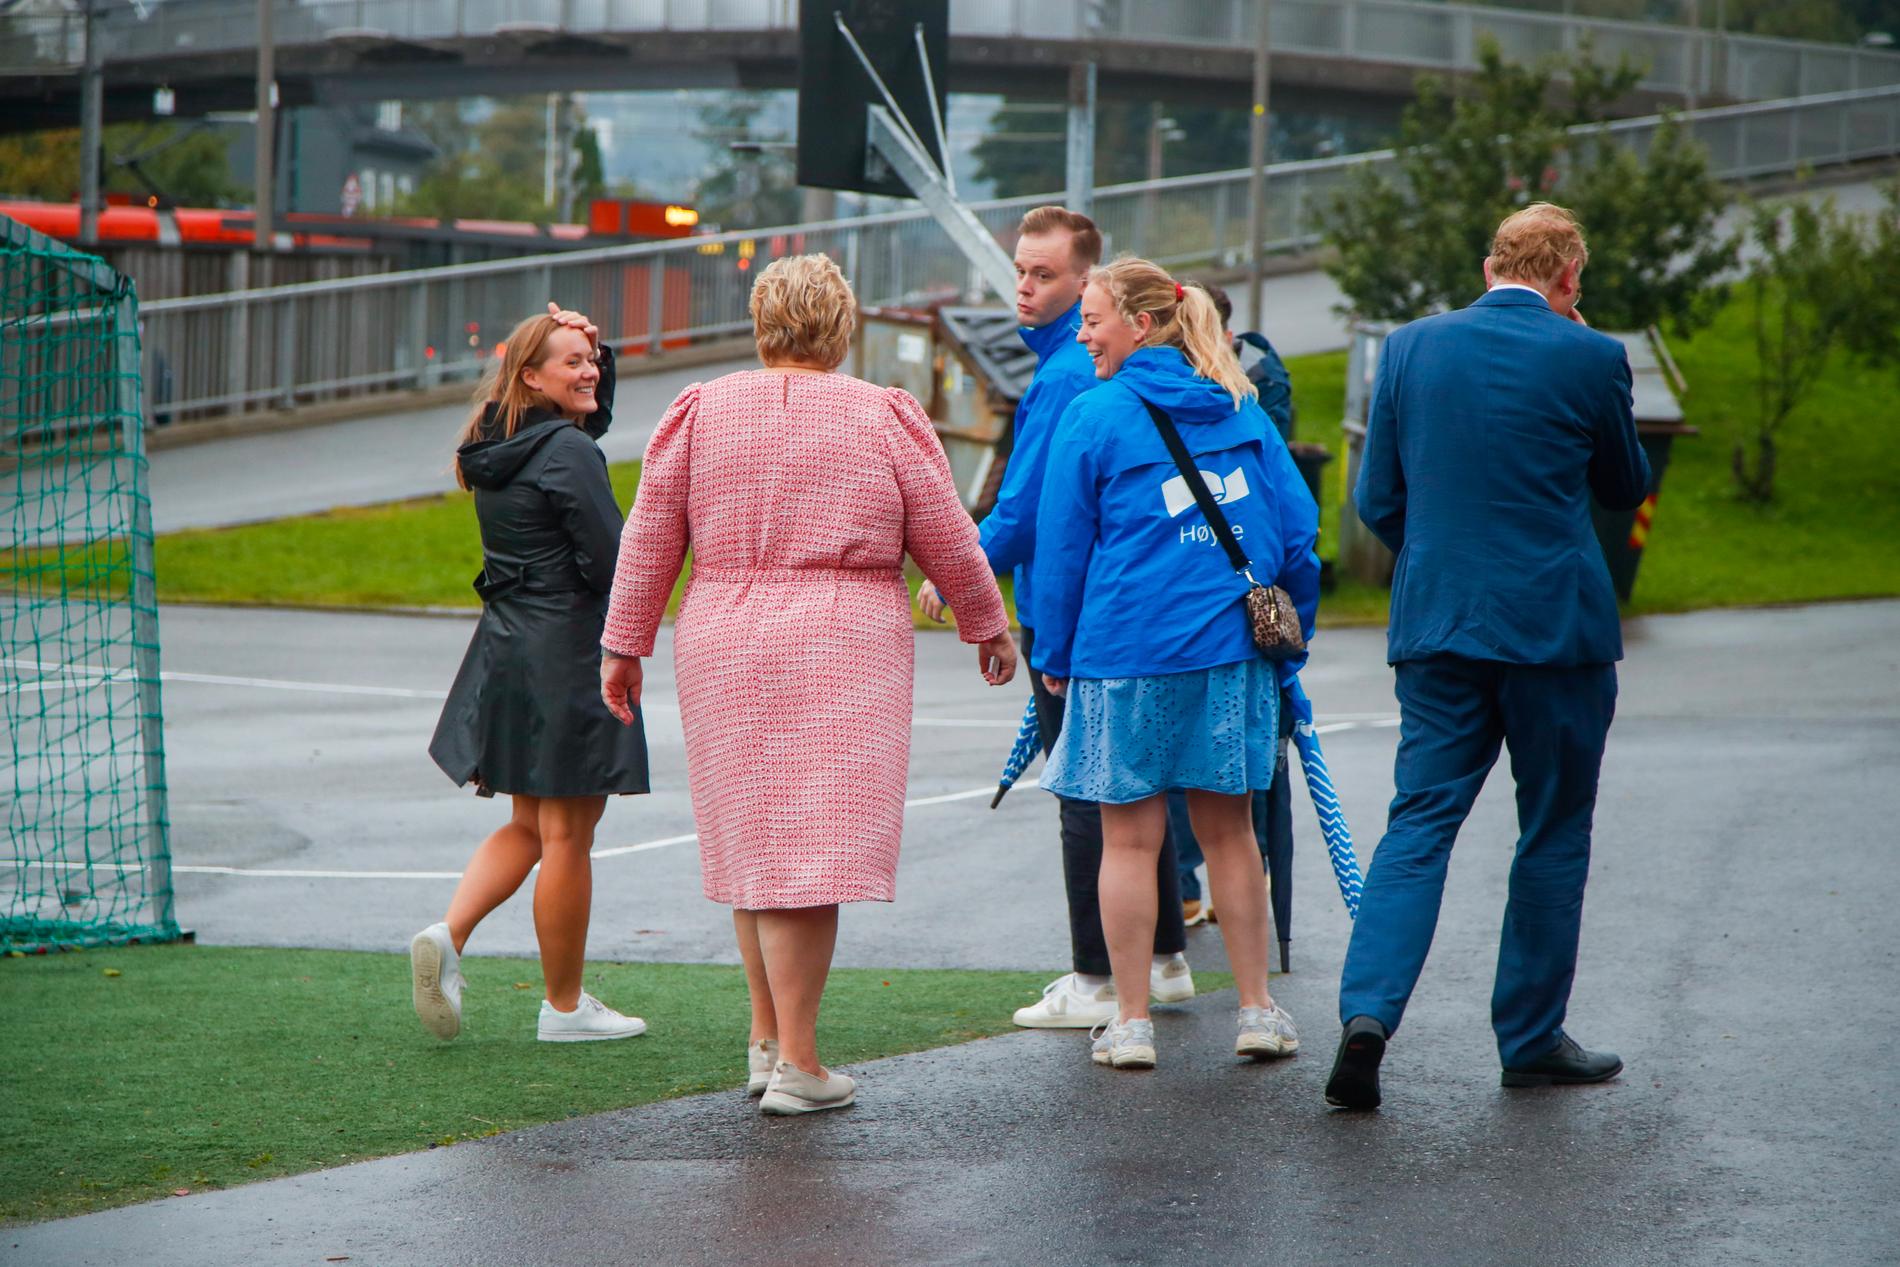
(1125,739)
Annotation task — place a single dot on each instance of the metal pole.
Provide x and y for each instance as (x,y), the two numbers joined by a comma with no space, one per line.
(1081,131)
(547,152)
(1081,164)
(1257,171)
(91,118)
(1692,64)
(263,226)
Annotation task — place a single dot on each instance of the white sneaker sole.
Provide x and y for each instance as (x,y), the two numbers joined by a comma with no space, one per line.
(1126,1057)
(1032,1017)
(1265,1048)
(589,1036)
(433,1008)
(784,1104)
(756,1083)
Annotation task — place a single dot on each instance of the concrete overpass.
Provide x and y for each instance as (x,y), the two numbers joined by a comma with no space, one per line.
(1329,54)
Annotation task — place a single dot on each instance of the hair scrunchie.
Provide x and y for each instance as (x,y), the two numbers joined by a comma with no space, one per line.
(1179,294)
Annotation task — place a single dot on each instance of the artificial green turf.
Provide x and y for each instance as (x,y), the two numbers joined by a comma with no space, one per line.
(134,1072)
(1828,534)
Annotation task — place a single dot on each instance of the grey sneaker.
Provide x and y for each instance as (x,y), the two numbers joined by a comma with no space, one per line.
(435,980)
(793,1091)
(760,1059)
(1124,1044)
(1266,1033)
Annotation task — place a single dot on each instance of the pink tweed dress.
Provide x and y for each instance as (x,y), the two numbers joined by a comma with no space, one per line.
(799,495)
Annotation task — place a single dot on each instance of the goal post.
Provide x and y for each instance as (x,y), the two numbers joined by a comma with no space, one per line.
(82,771)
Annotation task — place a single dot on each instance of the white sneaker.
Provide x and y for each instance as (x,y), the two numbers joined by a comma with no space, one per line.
(1266,1033)
(1124,1044)
(1068,1004)
(435,975)
(1171,982)
(760,1058)
(793,1091)
(590,1021)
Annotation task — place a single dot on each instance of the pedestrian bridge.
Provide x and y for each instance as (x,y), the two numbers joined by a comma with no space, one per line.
(391,332)
(1346,51)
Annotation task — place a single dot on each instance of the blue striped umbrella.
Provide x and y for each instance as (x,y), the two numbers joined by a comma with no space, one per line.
(1028,744)
(1332,820)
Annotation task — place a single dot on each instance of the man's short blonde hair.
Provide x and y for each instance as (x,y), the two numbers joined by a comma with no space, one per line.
(803,310)
(1535,244)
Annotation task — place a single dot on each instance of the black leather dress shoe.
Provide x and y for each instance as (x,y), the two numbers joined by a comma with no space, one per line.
(1565,1065)
(1354,1083)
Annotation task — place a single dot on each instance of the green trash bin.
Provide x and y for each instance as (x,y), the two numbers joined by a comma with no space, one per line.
(1623,534)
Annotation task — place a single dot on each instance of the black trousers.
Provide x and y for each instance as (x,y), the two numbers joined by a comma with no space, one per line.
(1082,856)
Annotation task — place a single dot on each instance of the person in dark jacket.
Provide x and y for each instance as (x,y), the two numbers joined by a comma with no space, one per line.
(525,717)
(1490,429)
(1141,623)
(1055,250)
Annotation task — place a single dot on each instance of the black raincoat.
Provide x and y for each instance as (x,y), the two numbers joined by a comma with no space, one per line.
(525,715)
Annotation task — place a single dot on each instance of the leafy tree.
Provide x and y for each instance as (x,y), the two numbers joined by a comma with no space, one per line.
(1025,148)
(743,188)
(1821,280)
(181,163)
(1411,242)
(494,168)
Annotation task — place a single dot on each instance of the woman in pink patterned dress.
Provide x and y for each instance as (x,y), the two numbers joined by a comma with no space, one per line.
(800,490)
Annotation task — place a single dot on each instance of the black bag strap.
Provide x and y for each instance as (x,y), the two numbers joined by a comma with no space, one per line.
(1216,520)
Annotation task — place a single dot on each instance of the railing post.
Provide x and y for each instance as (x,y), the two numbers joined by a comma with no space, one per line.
(1349,27)
(656,302)
(286,367)
(418,333)
(1463,55)
(237,340)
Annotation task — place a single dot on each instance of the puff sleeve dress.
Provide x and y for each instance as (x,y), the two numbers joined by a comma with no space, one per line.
(799,495)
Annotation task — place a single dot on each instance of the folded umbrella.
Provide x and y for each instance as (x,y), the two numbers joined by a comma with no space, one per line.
(1028,744)
(1332,820)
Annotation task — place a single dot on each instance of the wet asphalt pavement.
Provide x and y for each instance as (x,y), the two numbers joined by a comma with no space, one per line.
(1739,952)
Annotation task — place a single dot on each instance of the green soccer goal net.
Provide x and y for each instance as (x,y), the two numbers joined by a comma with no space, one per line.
(82,768)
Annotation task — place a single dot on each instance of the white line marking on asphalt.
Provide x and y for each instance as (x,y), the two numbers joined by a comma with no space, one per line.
(616,851)
(347,688)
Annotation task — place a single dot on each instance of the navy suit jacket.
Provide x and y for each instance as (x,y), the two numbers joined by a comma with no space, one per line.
(1490,429)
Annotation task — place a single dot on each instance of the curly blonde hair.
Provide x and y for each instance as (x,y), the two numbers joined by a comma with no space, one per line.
(803,310)
(1184,317)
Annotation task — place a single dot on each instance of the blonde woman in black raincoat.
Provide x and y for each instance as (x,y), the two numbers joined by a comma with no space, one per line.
(525,716)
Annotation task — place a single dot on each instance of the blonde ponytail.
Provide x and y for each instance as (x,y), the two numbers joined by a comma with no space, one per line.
(1184,317)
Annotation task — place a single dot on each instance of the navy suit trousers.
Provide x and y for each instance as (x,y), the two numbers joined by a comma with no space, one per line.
(1455,715)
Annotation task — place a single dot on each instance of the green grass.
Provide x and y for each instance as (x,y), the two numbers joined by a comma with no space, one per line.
(135,1072)
(1827,536)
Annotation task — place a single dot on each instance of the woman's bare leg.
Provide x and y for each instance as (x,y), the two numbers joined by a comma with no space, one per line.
(764,1019)
(1131,847)
(796,946)
(500,864)
(1224,826)
(564,893)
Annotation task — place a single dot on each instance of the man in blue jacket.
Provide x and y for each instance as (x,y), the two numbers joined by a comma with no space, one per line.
(1055,249)
(1490,429)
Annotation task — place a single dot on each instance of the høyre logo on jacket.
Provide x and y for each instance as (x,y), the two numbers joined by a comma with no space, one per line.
(1177,496)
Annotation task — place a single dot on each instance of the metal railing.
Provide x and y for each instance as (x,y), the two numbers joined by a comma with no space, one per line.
(332,339)
(1681,60)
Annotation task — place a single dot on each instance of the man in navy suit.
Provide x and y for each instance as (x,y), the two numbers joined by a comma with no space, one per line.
(1490,429)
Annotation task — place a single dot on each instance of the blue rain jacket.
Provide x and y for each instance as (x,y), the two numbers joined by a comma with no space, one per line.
(1130,580)
(1063,372)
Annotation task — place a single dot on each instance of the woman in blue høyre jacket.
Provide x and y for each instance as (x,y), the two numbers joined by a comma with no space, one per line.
(1140,620)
